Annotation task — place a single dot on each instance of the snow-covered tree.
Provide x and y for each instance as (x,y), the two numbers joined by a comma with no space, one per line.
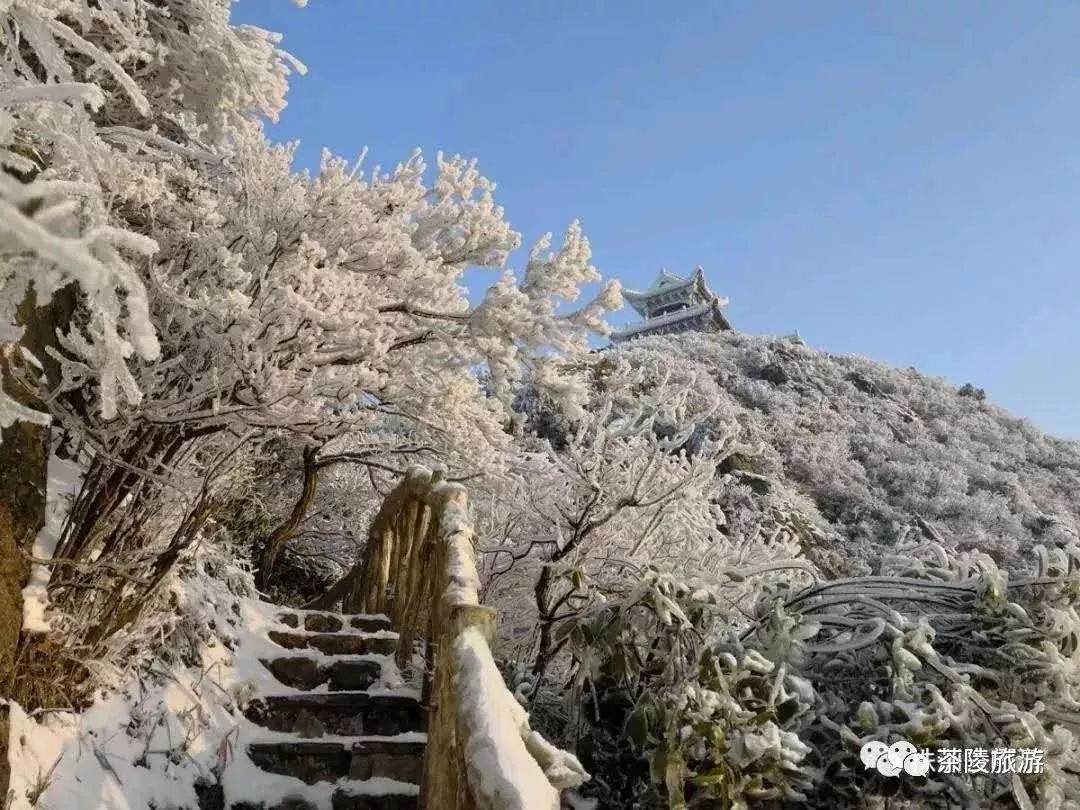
(634,480)
(316,309)
(102,105)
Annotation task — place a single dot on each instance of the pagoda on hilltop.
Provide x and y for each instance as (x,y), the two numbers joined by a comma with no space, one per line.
(674,304)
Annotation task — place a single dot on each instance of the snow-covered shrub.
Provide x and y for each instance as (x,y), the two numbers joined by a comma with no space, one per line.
(656,471)
(852,465)
(689,699)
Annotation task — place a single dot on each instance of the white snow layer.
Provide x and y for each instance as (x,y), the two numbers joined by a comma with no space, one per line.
(147,744)
(502,753)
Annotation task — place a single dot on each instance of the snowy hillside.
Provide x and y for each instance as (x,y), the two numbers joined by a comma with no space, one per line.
(794,555)
(878,449)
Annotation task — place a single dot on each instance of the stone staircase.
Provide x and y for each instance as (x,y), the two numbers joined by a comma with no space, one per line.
(341,732)
(342,725)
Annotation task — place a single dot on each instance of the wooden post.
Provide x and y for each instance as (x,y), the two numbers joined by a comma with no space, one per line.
(421,545)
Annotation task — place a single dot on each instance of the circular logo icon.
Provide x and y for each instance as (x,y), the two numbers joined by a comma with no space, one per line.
(899,751)
(886,768)
(892,760)
(871,752)
(917,764)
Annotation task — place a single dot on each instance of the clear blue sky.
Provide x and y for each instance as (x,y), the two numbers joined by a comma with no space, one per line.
(899,180)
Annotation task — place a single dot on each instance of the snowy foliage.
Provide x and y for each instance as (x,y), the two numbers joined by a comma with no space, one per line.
(741,658)
(876,449)
(691,698)
(270,296)
(644,476)
(103,112)
(320,311)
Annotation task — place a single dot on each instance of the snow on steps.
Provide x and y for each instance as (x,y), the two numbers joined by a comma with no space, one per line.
(343,713)
(337,643)
(333,622)
(345,748)
(315,761)
(371,794)
(301,672)
(161,739)
(255,665)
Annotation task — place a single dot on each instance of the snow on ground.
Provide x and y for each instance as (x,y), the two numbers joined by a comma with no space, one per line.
(146,745)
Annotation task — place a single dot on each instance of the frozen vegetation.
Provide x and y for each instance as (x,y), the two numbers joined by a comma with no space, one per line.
(878,449)
(866,553)
(721,562)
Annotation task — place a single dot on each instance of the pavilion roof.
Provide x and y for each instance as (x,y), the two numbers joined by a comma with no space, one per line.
(667,282)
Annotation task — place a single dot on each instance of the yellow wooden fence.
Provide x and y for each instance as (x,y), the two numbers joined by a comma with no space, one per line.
(419,568)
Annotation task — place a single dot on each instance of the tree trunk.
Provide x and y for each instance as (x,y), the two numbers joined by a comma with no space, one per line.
(24,459)
(273,545)
(541,592)
(24,463)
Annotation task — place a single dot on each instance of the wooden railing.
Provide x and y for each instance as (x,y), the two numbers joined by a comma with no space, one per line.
(419,568)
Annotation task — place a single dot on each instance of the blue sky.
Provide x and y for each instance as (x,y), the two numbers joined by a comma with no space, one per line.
(899,180)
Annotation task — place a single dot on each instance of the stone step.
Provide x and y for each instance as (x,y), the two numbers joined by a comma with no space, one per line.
(334,622)
(370,624)
(336,643)
(345,799)
(308,761)
(353,714)
(312,762)
(387,758)
(300,672)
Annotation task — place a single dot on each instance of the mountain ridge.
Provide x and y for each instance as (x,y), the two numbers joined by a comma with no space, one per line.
(876,448)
